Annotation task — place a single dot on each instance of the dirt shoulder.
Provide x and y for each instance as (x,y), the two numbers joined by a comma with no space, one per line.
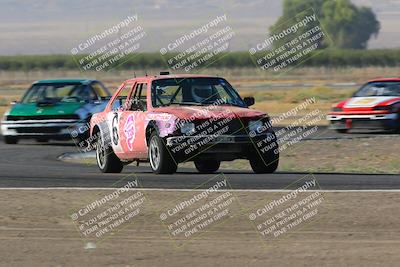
(350,229)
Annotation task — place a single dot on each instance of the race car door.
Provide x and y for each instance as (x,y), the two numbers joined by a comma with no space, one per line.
(132,128)
(120,105)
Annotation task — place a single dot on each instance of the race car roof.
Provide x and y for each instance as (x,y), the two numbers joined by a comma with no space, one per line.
(171,76)
(385,80)
(77,80)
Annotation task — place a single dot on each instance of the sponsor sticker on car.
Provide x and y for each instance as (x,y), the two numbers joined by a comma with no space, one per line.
(364,101)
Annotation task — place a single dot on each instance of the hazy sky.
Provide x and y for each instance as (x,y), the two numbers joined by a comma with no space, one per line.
(56,26)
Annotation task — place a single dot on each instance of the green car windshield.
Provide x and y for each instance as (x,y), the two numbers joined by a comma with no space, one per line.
(194,91)
(53,93)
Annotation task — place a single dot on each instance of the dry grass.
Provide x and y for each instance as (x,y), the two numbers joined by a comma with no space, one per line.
(248,81)
(276,102)
(350,229)
(3,109)
(308,157)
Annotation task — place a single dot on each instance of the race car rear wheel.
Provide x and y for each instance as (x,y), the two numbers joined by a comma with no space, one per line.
(207,166)
(161,161)
(397,129)
(107,161)
(10,140)
(265,164)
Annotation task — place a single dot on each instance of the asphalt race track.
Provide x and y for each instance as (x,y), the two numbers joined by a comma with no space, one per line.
(31,164)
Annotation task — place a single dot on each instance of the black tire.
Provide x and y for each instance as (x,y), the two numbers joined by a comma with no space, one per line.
(107,161)
(397,129)
(265,164)
(342,131)
(161,161)
(207,166)
(10,140)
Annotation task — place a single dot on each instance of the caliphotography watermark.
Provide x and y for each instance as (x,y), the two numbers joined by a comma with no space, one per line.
(204,130)
(303,124)
(295,41)
(290,211)
(201,210)
(111,211)
(199,47)
(111,46)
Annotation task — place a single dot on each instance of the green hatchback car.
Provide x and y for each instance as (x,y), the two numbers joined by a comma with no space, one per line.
(54,109)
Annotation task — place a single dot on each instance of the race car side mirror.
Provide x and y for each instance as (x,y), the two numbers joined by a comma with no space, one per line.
(249,101)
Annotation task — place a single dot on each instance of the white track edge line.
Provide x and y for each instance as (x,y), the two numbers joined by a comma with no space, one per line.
(196,190)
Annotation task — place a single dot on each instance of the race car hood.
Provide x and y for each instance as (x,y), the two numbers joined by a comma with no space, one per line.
(369,102)
(206,112)
(32,109)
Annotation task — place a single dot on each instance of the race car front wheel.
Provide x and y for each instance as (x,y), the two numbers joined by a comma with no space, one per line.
(107,161)
(265,163)
(10,140)
(207,166)
(161,161)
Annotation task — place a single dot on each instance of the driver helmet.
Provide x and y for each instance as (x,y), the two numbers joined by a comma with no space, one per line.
(201,92)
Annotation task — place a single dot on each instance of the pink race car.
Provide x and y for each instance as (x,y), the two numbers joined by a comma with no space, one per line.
(169,119)
(376,105)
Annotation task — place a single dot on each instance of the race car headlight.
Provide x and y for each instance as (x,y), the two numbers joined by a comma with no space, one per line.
(187,127)
(255,125)
(336,109)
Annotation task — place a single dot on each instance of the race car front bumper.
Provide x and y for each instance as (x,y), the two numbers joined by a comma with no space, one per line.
(222,147)
(368,121)
(45,129)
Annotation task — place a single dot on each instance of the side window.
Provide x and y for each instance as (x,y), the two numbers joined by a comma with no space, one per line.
(120,102)
(137,90)
(139,98)
(143,97)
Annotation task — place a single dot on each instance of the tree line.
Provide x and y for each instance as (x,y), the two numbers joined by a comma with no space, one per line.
(318,58)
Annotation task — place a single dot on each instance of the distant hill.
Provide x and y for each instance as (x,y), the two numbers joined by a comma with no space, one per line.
(56,26)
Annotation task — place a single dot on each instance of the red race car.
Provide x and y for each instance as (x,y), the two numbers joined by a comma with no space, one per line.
(170,119)
(376,105)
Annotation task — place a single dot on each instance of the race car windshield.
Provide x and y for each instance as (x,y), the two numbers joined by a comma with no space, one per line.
(54,93)
(379,89)
(195,92)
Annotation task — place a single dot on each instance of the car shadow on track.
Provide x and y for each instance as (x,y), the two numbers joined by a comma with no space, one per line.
(188,171)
